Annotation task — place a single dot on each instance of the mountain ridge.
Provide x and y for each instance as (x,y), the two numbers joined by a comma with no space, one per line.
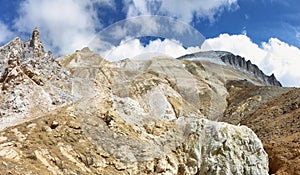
(237,62)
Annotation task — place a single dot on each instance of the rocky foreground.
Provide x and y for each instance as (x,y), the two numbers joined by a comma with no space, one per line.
(81,114)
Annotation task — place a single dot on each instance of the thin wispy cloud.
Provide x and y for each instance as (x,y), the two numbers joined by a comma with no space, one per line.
(298,36)
(149,26)
(5,33)
(188,9)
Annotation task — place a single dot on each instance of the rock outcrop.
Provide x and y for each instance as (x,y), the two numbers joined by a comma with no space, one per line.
(81,114)
(31,81)
(60,144)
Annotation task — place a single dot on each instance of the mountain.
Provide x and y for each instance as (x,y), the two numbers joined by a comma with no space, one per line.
(204,113)
(236,62)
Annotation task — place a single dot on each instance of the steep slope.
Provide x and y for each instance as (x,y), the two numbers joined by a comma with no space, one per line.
(274,115)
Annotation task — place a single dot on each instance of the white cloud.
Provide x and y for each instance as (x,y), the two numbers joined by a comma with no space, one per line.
(138,7)
(182,10)
(154,26)
(237,44)
(283,60)
(65,25)
(273,56)
(69,25)
(5,33)
(134,49)
(298,36)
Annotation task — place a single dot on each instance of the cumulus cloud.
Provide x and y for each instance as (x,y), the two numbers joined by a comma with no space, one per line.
(65,25)
(154,26)
(182,10)
(273,56)
(283,60)
(5,33)
(237,44)
(136,50)
(70,24)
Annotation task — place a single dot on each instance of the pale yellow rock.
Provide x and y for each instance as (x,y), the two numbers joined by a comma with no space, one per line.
(67,151)
(8,151)
(41,156)
(3,139)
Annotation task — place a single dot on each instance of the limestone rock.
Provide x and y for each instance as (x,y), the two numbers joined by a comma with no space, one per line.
(81,114)
(36,44)
(118,143)
(31,81)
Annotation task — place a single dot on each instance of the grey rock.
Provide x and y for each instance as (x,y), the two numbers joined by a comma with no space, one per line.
(237,62)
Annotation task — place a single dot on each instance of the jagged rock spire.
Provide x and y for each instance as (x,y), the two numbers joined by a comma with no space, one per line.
(36,43)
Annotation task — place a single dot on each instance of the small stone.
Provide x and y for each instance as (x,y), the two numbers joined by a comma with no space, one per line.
(54,124)
(46,129)
(31,156)
(3,139)
(31,126)
(74,125)
(4,164)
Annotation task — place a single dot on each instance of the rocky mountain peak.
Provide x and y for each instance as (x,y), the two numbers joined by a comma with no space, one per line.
(36,43)
(240,63)
(237,62)
(25,73)
(28,59)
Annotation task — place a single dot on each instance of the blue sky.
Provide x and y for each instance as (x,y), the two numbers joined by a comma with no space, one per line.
(265,31)
(261,20)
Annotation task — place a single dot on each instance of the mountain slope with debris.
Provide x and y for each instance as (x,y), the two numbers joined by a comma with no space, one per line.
(81,114)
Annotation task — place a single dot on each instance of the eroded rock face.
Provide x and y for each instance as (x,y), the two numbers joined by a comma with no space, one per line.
(66,142)
(31,81)
(128,117)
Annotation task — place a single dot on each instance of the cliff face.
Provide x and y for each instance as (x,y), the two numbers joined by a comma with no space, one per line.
(236,62)
(81,114)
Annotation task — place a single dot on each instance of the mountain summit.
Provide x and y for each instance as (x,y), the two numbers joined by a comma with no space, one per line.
(81,114)
(236,62)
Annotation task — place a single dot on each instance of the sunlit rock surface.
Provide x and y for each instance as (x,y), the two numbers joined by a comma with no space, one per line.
(81,114)
(32,82)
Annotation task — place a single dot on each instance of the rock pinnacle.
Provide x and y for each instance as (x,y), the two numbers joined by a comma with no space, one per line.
(36,43)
